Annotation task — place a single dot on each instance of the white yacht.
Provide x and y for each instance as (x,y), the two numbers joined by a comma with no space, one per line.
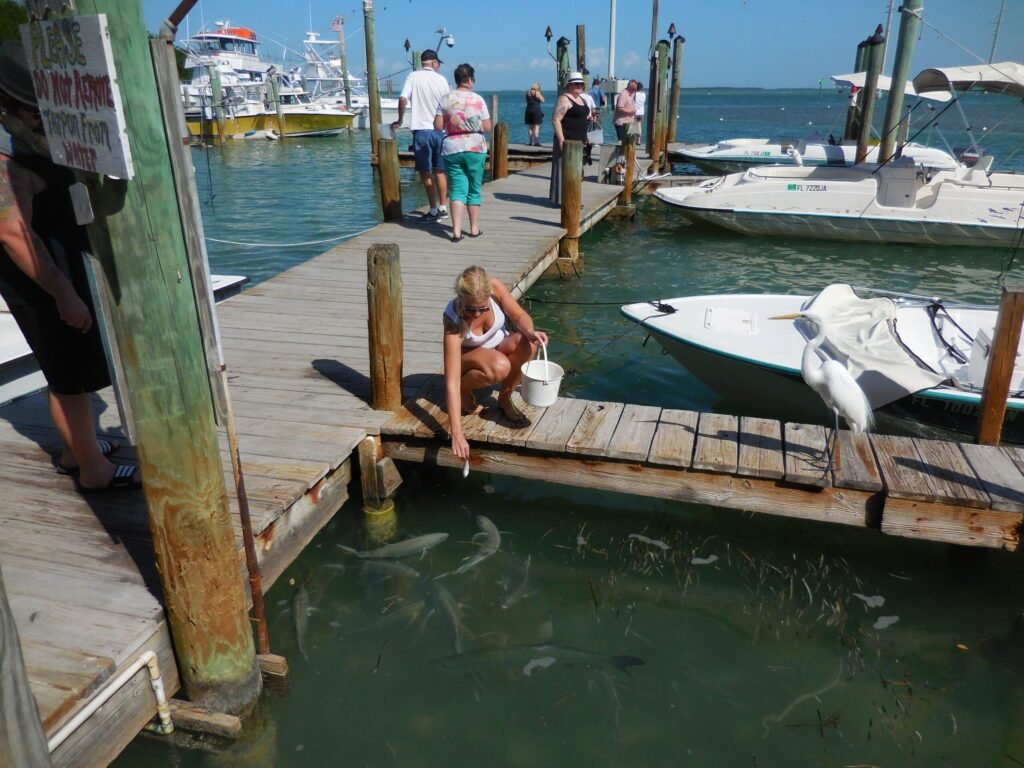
(903,201)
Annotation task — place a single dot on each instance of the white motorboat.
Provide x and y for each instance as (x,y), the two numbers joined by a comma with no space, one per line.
(736,155)
(913,356)
(323,78)
(19,372)
(903,201)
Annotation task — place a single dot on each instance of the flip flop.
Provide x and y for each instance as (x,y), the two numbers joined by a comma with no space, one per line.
(455,239)
(475,409)
(126,478)
(107,447)
(470,234)
(512,412)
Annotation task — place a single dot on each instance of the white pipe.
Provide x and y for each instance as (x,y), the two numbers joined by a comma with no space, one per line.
(147,659)
(611,45)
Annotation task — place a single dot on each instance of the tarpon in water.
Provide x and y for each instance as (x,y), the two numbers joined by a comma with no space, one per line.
(300,615)
(490,543)
(519,592)
(414,546)
(450,608)
(528,658)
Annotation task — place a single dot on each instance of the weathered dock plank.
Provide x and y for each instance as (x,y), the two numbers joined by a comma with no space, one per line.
(855,465)
(635,433)
(674,438)
(949,473)
(760,453)
(806,463)
(717,446)
(556,425)
(595,429)
(999,475)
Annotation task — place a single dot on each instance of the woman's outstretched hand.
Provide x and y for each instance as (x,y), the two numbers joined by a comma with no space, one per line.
(460,447)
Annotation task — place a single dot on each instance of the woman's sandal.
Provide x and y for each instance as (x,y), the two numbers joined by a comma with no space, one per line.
(125,478)
(470,234)
(512,412)
(107,447)
(455,239)
(475,407)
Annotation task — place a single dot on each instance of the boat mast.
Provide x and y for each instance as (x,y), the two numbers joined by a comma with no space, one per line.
(995,35)
(611,45)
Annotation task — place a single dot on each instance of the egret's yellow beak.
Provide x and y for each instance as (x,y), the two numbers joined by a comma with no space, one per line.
(794,316)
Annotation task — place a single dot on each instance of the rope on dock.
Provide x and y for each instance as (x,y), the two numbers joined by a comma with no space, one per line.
(292,245)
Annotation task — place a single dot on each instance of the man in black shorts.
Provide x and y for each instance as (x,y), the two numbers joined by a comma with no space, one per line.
(43,282)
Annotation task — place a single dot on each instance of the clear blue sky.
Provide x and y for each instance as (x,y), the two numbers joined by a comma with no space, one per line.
(756,43)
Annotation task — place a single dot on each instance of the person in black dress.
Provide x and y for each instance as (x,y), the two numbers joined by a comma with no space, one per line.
(534,114)
(570,123)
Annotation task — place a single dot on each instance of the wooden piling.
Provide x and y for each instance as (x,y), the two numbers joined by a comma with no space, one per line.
(154,317)
(494,128)
(499,156)
(875,50)
(275,100)
(677,78)
(562,62)
(384,299)
(581,53)
(910,26)
(217,96)
(658,136)
(572,193)
(22,739)
(343,61)
(389,173)
(629,160)
(372,87)
(852,129)
(1001,360)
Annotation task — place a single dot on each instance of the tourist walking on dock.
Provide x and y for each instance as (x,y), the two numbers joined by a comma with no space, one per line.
(641,109)
(534,116)
(464,118)
(570,122)
(625,111)
(600,102)
(480,351)
(43,281)
(424,89)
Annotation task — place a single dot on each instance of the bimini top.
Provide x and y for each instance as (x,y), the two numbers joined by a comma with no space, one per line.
(857,79)
(1006,77)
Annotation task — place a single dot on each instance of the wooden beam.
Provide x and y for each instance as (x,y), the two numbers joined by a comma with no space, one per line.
(384,297)
(390,179)
(848,507)
(22,741)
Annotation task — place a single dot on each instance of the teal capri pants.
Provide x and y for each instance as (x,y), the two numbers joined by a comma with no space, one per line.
(465,176)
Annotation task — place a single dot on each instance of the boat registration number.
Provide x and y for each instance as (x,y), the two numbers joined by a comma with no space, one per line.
(807,188)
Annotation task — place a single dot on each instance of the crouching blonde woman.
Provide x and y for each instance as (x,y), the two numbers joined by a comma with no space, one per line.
(480,350)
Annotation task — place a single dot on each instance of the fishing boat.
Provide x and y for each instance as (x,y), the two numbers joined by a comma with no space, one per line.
(19,372)
(322,74)
(902,201)
(233,92)
(914,356)
(737,155)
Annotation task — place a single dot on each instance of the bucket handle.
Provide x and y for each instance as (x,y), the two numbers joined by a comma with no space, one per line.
(544,350)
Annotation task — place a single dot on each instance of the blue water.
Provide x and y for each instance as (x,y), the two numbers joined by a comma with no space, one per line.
(764,641)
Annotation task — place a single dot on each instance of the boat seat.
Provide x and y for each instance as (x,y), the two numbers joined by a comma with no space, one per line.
(977,175)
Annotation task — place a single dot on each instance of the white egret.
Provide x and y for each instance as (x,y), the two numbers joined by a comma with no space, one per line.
(833,383)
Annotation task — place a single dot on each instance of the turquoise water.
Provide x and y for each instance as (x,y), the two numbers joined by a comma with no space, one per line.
(763,641)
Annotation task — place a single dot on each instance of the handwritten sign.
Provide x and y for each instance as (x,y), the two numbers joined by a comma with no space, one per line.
(73,73)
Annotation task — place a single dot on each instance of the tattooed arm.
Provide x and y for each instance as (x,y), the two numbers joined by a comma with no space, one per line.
(26,250)
(561,107)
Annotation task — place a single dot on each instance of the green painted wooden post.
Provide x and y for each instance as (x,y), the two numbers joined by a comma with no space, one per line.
(910,25)
(138,237)
(372,86)
(417,60)
(875,53)
(562,62)
(677,78)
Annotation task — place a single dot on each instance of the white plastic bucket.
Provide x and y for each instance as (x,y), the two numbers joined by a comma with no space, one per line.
(541,379)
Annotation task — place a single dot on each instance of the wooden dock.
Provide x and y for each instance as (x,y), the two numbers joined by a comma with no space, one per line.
(969,495)
(79,571)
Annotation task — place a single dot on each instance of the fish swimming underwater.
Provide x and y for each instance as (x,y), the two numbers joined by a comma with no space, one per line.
(519,592)
(529,658)
(490,544)
(414,546)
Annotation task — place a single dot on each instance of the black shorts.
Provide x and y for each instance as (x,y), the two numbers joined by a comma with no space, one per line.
(72,362)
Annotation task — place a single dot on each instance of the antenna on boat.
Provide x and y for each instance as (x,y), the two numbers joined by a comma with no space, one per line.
(995,35)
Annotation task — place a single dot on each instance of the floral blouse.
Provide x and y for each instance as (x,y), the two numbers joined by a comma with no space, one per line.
(464,113)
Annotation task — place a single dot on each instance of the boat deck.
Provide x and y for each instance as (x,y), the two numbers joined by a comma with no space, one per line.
(79,573)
